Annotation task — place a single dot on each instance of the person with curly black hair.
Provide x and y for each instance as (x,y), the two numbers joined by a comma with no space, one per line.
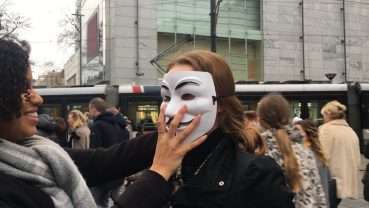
(36,172)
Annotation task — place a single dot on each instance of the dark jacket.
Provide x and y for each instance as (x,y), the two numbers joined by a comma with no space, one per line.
(122,123)
(260,185)
(46,127)
(99,166)
(104,131)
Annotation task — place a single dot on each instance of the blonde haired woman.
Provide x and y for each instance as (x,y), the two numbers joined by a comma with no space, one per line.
(80,137)
(285,146)
(342,146)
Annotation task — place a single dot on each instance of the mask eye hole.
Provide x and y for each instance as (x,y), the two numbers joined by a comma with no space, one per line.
(187,97)
(166,98)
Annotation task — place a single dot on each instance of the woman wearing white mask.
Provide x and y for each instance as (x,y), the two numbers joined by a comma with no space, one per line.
(217,173)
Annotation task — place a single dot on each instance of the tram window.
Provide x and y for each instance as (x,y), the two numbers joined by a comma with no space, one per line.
(54,110)
(249,105)
(295,108)
(83,107)
(143,112)
(315,108)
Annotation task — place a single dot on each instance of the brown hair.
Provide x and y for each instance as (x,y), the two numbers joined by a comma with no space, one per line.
(113,110)
(250,115)
(254,134)
(274,112)
(231,117)
(60,122)
(100,104)
(334,110)
(312,136)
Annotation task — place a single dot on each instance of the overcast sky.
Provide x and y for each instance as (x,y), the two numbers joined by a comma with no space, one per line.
(44,17)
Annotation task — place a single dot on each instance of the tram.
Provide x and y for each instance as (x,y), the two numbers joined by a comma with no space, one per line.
(141,104)
(58,101)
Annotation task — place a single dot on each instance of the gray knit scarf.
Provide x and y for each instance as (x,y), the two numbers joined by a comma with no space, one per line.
(44,164)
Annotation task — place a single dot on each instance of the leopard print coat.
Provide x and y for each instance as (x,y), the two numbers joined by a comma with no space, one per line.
(312,194)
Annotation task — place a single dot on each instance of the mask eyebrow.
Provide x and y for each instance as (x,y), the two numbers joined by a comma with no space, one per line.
(165,87)
(186,83)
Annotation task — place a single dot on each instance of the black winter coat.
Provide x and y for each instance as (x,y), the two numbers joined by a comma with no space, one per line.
(99,166)
(122,123)
(104,131)
(261,185)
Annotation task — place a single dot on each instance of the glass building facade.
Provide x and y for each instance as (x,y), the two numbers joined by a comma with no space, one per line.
(238,32)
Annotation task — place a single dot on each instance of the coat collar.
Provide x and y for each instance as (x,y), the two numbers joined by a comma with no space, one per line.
(339,122)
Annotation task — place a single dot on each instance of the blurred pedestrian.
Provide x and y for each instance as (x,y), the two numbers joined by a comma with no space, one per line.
(140,130)
(90,121)
(255,135)
(342,147)
(46,127)
(105,132)
(61,131)
(295,120)
(79,132)
(250,119)
(129,126)
(285,145)
(311,140)
(121,122)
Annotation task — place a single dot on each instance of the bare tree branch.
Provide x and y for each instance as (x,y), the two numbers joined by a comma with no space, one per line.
(70,34)
(11,23)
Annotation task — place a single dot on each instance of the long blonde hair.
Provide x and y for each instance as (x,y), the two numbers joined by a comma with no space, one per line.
(274,113)
(231,117)
(80,119)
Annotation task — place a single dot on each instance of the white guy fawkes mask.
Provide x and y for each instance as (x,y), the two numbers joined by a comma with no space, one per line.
(196,90)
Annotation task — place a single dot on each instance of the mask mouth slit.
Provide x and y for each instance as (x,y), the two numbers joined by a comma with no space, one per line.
(180,123)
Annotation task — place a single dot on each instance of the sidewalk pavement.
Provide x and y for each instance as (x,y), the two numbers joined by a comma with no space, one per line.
(360,202)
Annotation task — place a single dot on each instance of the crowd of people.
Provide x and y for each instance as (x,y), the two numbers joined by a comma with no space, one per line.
(206,152)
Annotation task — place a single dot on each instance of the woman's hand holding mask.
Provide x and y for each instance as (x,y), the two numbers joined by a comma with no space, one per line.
(170,149)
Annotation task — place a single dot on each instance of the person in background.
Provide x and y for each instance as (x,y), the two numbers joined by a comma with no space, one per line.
(140,130)
(255,135)
(121,122)
(311,140)
(250,119)
(46,127)
(105,132)
(90,121)
(80,133)
(341,144)
(285,145)
(61,131)
(129,126)
(295,120)
(35,172)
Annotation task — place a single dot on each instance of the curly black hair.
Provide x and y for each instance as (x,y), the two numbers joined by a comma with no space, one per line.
(14,63)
